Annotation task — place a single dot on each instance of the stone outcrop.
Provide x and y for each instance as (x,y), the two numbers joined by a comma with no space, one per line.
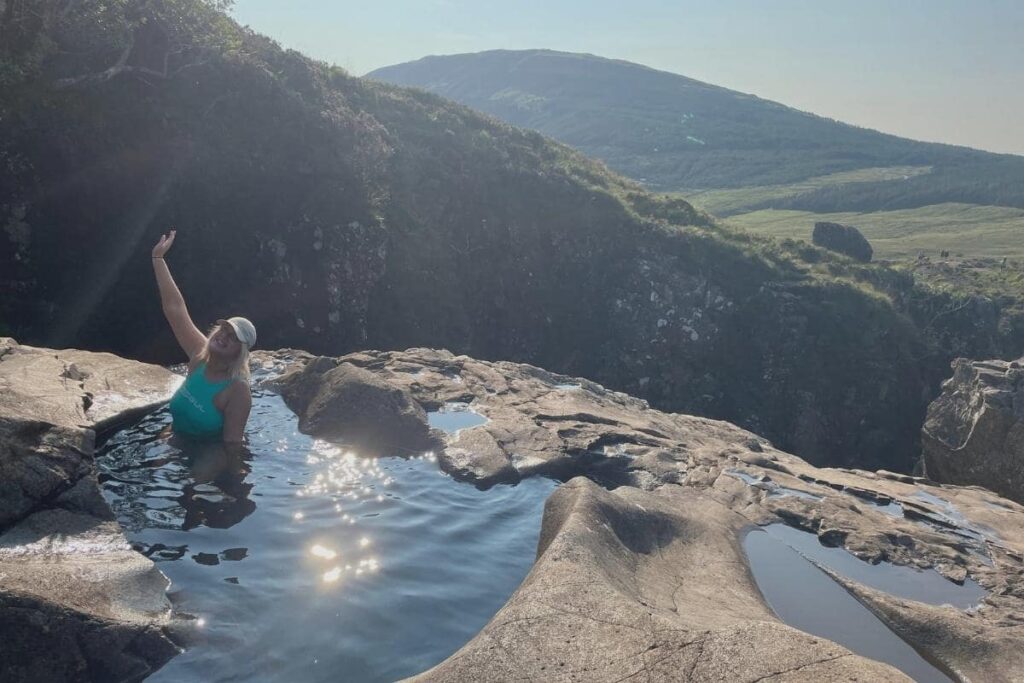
(648,581)
(974,432)
(342,401)
(76,603)
(842,239)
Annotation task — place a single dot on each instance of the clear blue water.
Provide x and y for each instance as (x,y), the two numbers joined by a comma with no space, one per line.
(453,417)
(305,562)
(806,598)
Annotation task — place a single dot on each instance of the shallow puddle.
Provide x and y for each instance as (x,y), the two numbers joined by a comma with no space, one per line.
(892,508)
(949,515)
(806,598)
(884,504)
(306,562)
(453,417)
(906,582)
(771,487)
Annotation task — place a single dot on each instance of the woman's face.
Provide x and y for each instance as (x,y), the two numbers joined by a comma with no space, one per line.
(224,342)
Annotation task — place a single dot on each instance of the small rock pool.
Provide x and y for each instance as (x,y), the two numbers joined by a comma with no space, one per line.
(303,561)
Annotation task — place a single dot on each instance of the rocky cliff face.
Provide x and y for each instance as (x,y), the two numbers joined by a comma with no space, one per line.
(974,433)
(76,602)
(649,579)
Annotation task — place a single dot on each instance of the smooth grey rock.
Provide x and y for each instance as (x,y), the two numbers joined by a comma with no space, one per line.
(974,431)
(76,603)
(51,404)
(342,402)
(630,585)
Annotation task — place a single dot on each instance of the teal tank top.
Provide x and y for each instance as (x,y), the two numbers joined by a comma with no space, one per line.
(192,406)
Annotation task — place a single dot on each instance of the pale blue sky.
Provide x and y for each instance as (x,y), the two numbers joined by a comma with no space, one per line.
(942,70)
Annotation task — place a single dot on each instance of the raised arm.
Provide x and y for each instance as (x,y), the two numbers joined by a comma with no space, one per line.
(188,335)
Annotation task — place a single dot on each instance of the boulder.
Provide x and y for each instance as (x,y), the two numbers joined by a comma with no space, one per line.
(974,431)
(843,239)
(342,402)
(76,603)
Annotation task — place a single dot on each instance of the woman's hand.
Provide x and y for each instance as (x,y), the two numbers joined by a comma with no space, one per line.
(188,335)
(164,245)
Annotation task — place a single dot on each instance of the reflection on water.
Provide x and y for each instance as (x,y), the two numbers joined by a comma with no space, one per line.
(307,562)
(808,599)
(906,582)
(155,481)
(453,417)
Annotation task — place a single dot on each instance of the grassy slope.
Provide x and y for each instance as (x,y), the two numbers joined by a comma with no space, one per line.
(963,229)
(732,201)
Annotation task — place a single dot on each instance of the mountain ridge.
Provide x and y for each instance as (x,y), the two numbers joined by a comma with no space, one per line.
(676,133)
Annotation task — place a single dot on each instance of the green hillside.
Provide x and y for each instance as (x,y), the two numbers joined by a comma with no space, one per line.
(675,133)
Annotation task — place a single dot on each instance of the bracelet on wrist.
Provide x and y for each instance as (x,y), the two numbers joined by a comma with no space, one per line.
(157,257)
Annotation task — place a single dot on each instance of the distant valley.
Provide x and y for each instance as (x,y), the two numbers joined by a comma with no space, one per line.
(755,163)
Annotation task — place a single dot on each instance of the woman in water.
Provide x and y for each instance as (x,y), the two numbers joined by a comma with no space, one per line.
(214,402)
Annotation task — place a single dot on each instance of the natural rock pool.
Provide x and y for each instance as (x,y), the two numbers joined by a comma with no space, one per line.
(304,561)
(805,597)
(927,586)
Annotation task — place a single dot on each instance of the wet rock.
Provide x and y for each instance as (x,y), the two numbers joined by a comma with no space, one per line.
(76,603)
(644,581)
(974,432)
(630,584)
(970,647)
(843,239)
(342,402)
(833,538)
(475,456)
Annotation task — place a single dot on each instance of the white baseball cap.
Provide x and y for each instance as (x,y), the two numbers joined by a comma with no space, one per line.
(244,330)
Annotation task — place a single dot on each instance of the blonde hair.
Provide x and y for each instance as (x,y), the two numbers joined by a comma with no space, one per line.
(238,368)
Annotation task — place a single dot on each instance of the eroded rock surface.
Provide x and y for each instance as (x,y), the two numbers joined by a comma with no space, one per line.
(974,432)
(649,581)
(340,400)
(629,585)
(76,603)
